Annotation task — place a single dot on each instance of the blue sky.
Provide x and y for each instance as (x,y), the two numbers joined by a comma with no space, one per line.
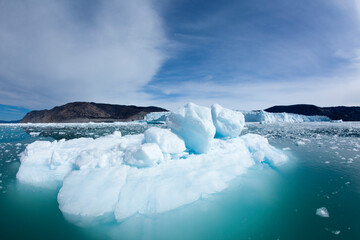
(242,54)
(9,113)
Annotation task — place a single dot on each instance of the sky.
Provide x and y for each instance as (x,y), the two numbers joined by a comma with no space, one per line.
(242,54)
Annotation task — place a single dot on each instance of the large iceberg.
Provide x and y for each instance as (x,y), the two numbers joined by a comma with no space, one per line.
(116,177)
(266,117)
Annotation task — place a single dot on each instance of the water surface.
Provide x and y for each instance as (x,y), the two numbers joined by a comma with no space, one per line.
(266,203)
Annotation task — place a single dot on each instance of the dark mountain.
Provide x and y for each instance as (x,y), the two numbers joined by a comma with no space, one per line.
(334,113)
(89,112)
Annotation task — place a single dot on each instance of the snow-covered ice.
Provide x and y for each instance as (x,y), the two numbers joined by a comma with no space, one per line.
(145,155)
(168,141)
(118,176)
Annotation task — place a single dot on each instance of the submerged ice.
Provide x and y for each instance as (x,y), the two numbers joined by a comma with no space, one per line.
(115,176)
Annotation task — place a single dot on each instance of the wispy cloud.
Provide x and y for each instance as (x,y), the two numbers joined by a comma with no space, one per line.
(52,51)
(264,53)
(251,95)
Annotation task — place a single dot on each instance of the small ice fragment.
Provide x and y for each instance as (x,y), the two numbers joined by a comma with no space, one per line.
(300,143)
(347,183)
(336,232)
(327,162)
(34,134)
(286,149)
(322,212)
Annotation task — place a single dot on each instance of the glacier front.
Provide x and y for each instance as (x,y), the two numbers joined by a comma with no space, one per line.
(266,117)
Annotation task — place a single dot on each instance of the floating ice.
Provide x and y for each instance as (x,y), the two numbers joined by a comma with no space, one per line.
(300,143)
(167,140)
(156,116)
(322,212)
(118,176)
(194,124)
(266,117)
(228,123)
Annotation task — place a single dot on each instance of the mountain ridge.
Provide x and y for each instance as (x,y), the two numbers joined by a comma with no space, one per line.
(82,112)
(344,113)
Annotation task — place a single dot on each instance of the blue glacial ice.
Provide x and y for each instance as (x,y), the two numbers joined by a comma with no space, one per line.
(194,124)
(116,177)
(266,117)
(228,123)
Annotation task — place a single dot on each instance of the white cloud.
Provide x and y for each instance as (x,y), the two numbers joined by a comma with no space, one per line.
(335,91)
(52,53)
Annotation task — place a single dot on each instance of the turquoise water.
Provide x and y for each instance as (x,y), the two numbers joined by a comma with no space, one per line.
(323,171)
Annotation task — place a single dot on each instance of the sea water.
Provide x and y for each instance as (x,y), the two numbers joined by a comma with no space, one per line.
(323,171)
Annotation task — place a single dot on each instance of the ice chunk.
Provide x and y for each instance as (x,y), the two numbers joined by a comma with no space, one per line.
(194,124)
(228,123)
(156,116)
(167,140)
(262,151)
(145,155)
(300,143)
(322,212)
(92,192)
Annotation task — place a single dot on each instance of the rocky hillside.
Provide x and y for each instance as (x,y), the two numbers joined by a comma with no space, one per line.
(78,112)
(334,113)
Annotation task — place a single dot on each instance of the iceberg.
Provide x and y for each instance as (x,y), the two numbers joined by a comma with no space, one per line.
(265,117)
(228,123)
(115,177)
